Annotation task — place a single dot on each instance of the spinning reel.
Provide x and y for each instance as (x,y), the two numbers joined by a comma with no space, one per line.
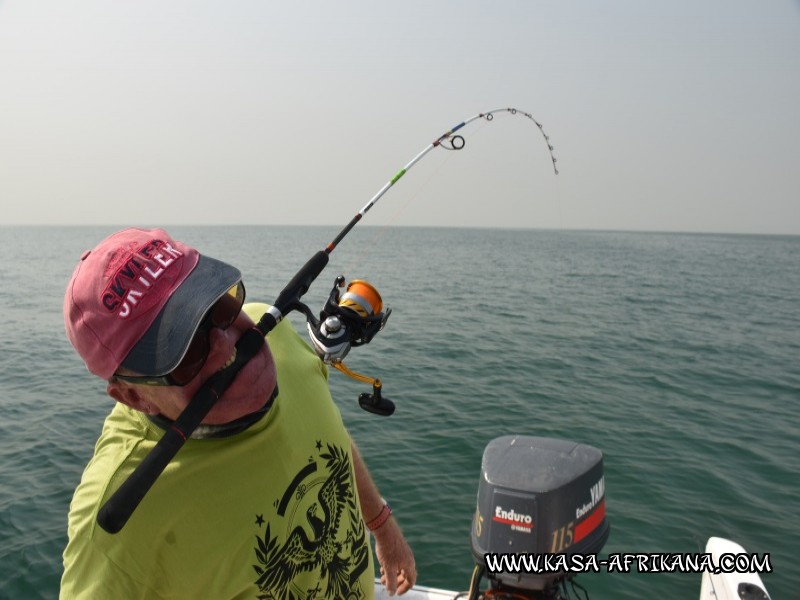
(350,320)
(347,320)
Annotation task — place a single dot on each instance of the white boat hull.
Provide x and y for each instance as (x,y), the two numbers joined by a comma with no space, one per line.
(730,586)
(418,592)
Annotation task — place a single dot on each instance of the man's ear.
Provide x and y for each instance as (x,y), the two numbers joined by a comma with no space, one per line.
(129,395)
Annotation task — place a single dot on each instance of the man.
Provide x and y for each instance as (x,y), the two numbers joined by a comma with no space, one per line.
(269,498)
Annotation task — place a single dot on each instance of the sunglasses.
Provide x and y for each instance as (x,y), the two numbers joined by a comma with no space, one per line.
(221,314)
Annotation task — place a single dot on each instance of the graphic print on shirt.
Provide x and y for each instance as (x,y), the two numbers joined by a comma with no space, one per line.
(317,529)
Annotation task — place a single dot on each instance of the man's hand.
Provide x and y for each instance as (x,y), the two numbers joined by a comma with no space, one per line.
(398,570)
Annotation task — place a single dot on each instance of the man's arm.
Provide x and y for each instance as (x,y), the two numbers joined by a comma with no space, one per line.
(398,571)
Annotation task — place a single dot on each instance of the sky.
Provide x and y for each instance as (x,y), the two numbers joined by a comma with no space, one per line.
(671,115)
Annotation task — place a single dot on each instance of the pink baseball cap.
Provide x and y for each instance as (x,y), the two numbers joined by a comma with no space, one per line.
(137,300)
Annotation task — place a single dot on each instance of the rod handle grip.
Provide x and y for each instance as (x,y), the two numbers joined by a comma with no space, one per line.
(114,514)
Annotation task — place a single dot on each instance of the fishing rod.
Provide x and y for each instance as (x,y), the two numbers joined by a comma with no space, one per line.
(346,320)
(451,142)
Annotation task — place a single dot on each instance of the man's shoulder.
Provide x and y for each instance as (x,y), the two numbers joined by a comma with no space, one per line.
(125,434)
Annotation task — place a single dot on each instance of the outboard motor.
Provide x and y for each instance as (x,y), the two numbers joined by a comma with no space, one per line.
(537,498)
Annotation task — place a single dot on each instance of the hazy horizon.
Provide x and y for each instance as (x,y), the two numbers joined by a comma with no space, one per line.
(665,116)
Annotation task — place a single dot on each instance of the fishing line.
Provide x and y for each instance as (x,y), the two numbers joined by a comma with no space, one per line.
(114,514)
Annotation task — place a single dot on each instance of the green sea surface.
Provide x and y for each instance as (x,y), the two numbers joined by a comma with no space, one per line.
(675,354)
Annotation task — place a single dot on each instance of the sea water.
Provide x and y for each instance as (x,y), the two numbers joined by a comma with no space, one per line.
(675,354)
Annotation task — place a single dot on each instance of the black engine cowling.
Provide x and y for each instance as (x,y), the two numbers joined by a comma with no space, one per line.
(539,496)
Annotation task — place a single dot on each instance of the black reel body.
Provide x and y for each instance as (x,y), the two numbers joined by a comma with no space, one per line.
(348,320)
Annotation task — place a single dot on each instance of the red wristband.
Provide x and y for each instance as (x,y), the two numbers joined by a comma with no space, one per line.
(382,517)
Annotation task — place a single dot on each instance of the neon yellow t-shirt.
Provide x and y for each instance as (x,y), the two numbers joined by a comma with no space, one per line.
(271,512)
